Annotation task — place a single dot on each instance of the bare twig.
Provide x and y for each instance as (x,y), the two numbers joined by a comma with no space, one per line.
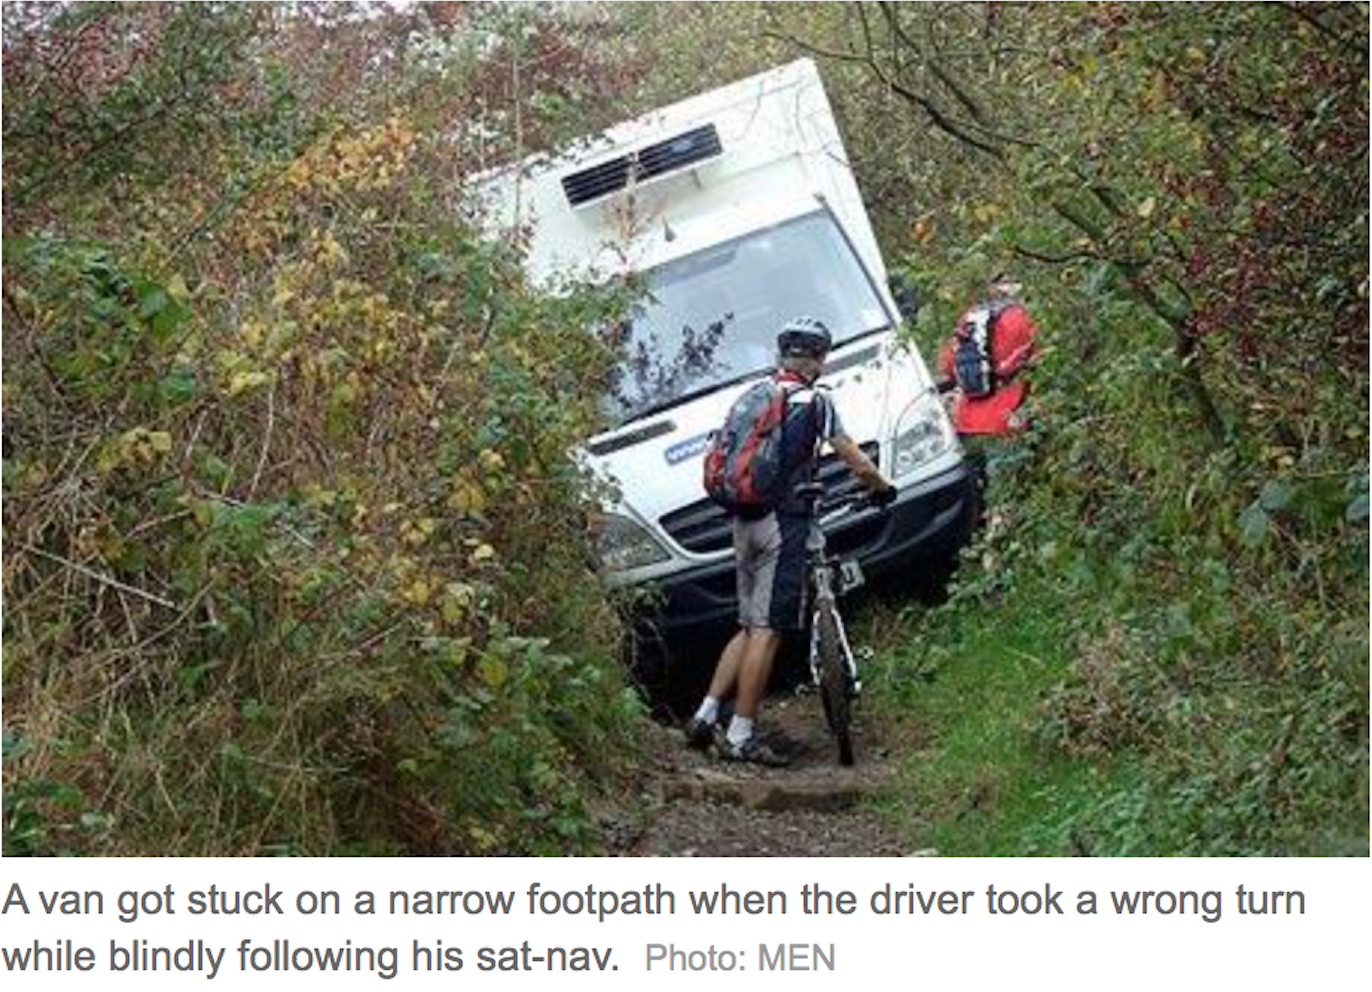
(960,94)
(937,116)
(266,442)
(101,578)
(1310,17)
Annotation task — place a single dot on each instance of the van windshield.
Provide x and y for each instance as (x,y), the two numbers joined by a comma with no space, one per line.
(713,317)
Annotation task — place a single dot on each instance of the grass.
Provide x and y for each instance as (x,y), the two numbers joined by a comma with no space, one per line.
(1241,762)
(964,697)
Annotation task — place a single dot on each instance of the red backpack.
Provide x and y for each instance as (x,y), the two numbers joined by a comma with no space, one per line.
(745,465)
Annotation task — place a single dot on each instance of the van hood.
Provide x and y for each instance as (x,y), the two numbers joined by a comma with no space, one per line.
(656,462)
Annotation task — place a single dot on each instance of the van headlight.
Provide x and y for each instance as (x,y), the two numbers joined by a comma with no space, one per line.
(922,434)
(624,543)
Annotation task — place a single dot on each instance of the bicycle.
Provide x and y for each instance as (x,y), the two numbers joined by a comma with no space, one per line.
(833,668)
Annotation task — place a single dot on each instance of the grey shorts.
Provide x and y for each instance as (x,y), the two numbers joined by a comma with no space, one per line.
(770,555)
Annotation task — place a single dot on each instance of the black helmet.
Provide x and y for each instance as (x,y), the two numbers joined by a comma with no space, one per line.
(804,336)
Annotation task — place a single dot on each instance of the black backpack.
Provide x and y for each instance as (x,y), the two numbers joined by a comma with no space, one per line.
(973,365)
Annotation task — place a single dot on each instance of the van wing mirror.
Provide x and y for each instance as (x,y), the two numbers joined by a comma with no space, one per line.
(905,295)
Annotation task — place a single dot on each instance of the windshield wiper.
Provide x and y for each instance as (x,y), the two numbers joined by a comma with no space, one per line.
(860,335)
(667,404)
(693,394)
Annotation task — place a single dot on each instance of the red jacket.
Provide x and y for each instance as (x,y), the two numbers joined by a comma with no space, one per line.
(1012,346)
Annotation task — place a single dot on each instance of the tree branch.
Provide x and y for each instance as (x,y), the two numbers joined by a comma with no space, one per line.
(1055,258)
(935,114)
(968,102)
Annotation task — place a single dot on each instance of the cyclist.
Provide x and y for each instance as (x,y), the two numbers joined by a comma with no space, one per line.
(769,547)
(983,361)
(983,364)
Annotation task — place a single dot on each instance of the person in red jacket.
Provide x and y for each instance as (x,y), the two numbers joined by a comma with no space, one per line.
(984,363)
(984,360)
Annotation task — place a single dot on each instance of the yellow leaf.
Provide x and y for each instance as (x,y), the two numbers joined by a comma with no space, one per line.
(1147,207)
(457,651)
(493,671)
(483,552)
(460,593)
(241,382)
(203,512)
(317,495)
(252,332)
(458,598)
(484,839)
(416,532)
(418,592)
(344,394)
(467,497)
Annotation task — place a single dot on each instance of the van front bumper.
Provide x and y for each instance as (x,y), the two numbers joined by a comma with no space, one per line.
(926,525)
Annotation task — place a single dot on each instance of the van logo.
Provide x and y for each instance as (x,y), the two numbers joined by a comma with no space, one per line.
(689,448)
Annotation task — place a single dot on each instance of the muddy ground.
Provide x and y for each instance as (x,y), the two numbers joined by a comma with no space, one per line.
(691,804)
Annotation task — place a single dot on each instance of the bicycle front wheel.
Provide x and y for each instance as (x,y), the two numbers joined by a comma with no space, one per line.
(833,680)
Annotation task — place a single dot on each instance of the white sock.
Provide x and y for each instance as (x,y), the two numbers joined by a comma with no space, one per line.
(740,729)
(709,710)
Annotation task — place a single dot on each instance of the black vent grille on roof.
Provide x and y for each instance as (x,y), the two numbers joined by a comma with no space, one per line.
(655,160)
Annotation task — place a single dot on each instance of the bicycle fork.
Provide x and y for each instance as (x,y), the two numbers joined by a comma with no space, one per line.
(824,601)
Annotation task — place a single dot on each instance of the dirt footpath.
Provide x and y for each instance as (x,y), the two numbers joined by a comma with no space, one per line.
(695,805)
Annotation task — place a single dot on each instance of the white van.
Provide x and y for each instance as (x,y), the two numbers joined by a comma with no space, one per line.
(740,210)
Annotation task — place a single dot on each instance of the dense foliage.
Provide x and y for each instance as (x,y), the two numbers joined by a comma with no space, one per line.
(287,484)
(1159,643)
(1182,537)
(295,555)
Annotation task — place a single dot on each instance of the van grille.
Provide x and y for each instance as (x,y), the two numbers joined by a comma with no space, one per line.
(703,527)
(659,159)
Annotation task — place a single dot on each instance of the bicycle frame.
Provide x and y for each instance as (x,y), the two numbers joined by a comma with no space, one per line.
(822,576)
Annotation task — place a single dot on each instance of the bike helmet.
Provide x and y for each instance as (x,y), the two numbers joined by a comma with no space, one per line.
(804,336)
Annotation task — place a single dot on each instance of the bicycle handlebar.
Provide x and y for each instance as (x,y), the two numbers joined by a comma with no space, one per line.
(857,502)
(868,501)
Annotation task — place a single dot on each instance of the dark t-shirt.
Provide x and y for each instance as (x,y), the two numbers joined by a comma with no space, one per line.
(811,420)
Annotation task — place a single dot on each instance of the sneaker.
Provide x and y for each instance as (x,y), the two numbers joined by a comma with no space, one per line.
(754,751)
(699,734)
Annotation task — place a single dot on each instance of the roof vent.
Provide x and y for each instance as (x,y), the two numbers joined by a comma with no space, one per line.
(647,163)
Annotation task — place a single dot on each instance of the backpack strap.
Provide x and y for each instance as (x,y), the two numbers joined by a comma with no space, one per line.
(791,387)
(1016,361)
(816,407)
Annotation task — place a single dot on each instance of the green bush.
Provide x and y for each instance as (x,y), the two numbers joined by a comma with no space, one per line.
(297,549)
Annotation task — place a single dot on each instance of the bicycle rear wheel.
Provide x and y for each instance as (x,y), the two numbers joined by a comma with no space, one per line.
(833,681)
